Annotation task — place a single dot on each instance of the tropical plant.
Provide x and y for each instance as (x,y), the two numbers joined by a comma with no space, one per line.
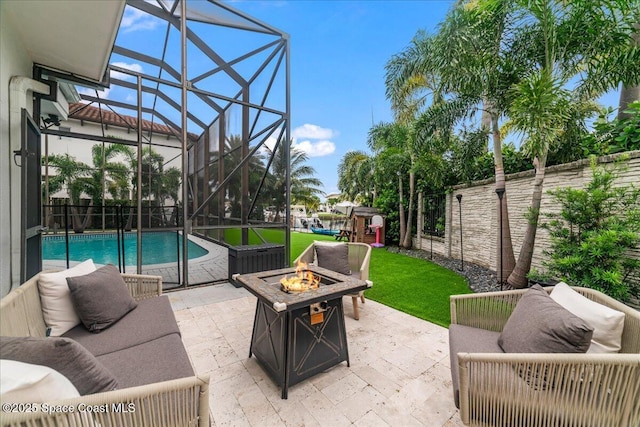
(594,233)
(158,184)
(618,135)
(563,35)
(475,65)
(354,174)
(68,169)
(304,186)
(391,143)
(108,174)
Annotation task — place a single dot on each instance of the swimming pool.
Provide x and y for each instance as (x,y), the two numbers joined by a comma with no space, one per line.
(157,248)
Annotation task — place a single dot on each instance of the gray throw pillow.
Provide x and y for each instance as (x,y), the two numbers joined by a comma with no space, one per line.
(538,324)
(100,298)
(334,257)
(64,355)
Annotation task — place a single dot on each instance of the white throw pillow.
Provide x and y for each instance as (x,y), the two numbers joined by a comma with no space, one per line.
(55,298)
(606,322)
(26,383)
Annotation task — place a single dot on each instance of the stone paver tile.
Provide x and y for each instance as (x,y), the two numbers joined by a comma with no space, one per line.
(434,344)
(391,371)
(397,414)
(344,388)
(324,411)
(436,410)
(330,376)
(454,421)
(439,377)
(225,409)
(409,360)
(412,395)
(296,415)
(224,373)
(360,403)
(203,361)
(371,419)
(255,405)
(378,380)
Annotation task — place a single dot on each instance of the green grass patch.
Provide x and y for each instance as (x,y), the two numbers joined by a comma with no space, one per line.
(414,286)
(300,242)
(233,236)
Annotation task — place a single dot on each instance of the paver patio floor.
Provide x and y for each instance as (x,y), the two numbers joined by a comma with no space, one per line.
(399,373)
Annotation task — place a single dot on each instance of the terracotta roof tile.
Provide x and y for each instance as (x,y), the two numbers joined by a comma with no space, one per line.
(91,113)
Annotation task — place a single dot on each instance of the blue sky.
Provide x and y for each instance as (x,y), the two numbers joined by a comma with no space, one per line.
(338,53)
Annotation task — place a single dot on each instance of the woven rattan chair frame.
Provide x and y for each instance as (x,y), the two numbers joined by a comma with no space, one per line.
(597,390)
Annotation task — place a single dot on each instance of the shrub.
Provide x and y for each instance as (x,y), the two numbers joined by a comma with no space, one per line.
(594,233)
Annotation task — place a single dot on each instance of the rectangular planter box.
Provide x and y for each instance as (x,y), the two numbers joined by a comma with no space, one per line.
(255,258)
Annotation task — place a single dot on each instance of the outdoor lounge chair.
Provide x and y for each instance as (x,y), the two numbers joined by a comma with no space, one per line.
(493,388)
(359,257)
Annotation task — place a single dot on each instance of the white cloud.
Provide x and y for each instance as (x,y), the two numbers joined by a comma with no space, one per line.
(135,19)
(122,76)
(315,148)
(312,132)
(102,94)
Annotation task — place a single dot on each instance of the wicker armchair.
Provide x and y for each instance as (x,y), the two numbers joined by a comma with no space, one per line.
(359,258)
(502,389)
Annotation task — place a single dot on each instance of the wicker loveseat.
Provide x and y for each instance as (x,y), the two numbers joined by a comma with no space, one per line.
(137,361)
(493,388)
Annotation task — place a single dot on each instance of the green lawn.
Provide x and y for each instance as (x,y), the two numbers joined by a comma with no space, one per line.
(414,286)
(300,242)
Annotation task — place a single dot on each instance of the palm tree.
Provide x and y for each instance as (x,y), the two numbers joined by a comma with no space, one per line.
(630,91)
(473,65)
(542,103)
(354,172)
(390,142)
(68,170)
(411,80)
(107,175)
(304,186)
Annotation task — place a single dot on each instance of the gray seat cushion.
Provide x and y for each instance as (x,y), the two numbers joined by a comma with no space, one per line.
(465,339)
(162,359)
(153,318)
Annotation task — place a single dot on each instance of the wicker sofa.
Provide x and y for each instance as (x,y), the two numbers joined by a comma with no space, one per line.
(493,388)
(143,350)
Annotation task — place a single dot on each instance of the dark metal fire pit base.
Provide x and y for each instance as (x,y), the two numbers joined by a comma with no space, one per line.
(290,349)
(289,341)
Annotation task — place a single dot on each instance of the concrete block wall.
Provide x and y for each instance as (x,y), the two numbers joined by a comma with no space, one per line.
(479,210)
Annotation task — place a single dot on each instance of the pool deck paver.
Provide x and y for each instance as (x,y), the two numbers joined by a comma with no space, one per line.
(399,373)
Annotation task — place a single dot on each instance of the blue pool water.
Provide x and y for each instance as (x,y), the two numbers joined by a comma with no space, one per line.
(157,248)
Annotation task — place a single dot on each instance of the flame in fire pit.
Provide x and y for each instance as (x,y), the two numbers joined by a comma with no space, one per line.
(303,280)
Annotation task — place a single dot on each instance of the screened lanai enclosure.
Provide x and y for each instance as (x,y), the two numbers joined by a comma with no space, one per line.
(187,135)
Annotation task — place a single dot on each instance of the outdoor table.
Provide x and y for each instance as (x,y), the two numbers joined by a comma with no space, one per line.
(344,234)
(297,335)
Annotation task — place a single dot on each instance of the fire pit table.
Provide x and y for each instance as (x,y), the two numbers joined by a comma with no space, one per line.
(299,334)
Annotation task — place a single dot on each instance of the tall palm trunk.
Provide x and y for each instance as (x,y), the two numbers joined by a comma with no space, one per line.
(506,261)
(403,225)
(518,278)
(628,94)
(407,242)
